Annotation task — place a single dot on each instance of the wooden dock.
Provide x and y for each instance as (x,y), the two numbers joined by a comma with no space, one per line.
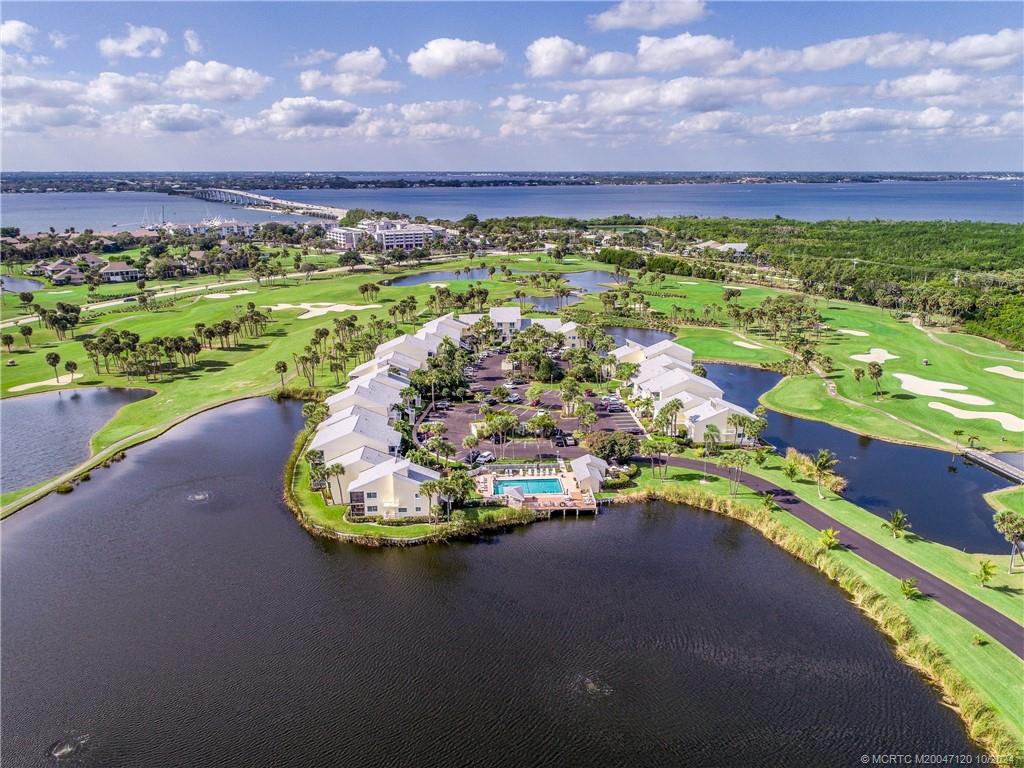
(1000,467)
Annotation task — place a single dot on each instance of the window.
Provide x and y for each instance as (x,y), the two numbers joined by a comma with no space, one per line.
(371,494)
(403,511)
(371,509)
(419,508)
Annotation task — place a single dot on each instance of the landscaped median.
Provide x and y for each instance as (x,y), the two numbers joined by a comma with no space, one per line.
(979,678)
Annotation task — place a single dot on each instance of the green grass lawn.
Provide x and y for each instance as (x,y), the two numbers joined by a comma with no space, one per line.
(992,669)
(1007,498)
(897,414)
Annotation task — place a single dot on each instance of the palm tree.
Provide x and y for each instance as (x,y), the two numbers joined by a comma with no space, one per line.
(824,463)
(26,334)
(430,489)
(986,571)
(281,368)
(858,374)
(331,472)
(897,524)
(829,538)
(7,340)
(909,589)
(711,436)
(769,504)
(972,439)
(957,434)
(71,366)
(875,374)
(53,360)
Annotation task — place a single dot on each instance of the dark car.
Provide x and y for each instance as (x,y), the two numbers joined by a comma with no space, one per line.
(616,408)
(559,441)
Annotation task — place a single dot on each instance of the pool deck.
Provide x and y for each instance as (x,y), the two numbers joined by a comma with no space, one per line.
(572,499)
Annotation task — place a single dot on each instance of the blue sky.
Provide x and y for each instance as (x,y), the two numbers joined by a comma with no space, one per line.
(635,85)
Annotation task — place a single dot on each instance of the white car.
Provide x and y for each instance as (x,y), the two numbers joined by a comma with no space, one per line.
(486,457)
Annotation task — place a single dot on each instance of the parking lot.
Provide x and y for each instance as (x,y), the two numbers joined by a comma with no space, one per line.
(488,375)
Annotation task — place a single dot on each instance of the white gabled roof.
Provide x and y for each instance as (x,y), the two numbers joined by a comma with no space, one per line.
(381,378)
(688,400)
(712,408)
(549,324)
(628,348)
(393,466)
(446,325)
(667,347)
(569,327)
(404,341)
(588,466)
(362,453)
(353,410)
(686,379)
(355,425)
(506,314)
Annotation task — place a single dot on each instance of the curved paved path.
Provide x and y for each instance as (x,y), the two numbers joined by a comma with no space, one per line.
(988,620)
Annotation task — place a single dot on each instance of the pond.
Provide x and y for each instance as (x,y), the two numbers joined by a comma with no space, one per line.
(171,612)
(552,303)
(18,284)
(48,433)
(644,336)
(941,495)
(476,273)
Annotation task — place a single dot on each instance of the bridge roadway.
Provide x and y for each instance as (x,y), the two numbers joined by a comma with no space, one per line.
(253,200)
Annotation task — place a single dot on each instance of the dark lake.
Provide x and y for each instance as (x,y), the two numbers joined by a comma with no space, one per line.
(171,612)
(645,336)
(941,495)
(48,433)
(18,284)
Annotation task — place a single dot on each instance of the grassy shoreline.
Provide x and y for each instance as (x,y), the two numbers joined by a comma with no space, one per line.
(989,706)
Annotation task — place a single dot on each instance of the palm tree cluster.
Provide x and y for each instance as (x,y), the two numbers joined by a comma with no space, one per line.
(61,319)
(133,357)
(444,299)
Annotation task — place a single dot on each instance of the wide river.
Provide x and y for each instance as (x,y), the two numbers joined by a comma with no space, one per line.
(171,612)
(907,200)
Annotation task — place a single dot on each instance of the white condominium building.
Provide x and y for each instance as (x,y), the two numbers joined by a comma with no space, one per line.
(346,237)
(401,234)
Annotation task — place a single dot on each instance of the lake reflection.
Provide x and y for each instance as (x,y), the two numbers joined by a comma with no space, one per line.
(176,633)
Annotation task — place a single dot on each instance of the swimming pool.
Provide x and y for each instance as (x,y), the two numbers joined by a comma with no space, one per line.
(530,485)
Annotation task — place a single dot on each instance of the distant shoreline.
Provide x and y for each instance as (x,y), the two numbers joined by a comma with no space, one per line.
(30,182)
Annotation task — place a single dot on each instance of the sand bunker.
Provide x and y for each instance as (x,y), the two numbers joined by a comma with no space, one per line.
(747,345)
(738,287)
(48,383)
(439,285)
(524,259)
(227,295)
(688,282)
(57,293)
(1005,370)
(1008,421)
(875,355)
(318,308)
(930,388)
(851,332)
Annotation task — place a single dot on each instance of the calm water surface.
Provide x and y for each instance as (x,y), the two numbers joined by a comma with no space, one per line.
(48,433)
(645,336)
(920,200)
(18,284)
(941,496)
(172,612)
(909,200)
(115,211)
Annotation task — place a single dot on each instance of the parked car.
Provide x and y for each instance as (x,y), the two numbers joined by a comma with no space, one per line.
(570,440)
(615,408)
(491,401)
(485,457)
(588,392)
(515,398)
(559,441)
(442,405)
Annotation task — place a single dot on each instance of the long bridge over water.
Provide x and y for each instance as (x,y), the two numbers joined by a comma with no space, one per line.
(246,199)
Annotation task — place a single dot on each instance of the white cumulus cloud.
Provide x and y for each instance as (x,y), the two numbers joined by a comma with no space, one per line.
(355,72)
(649,14)
(193,44)
(168,118)
(550,56)
(215,81)
(453,56)
(60,40)
(138,43)
(17,34)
